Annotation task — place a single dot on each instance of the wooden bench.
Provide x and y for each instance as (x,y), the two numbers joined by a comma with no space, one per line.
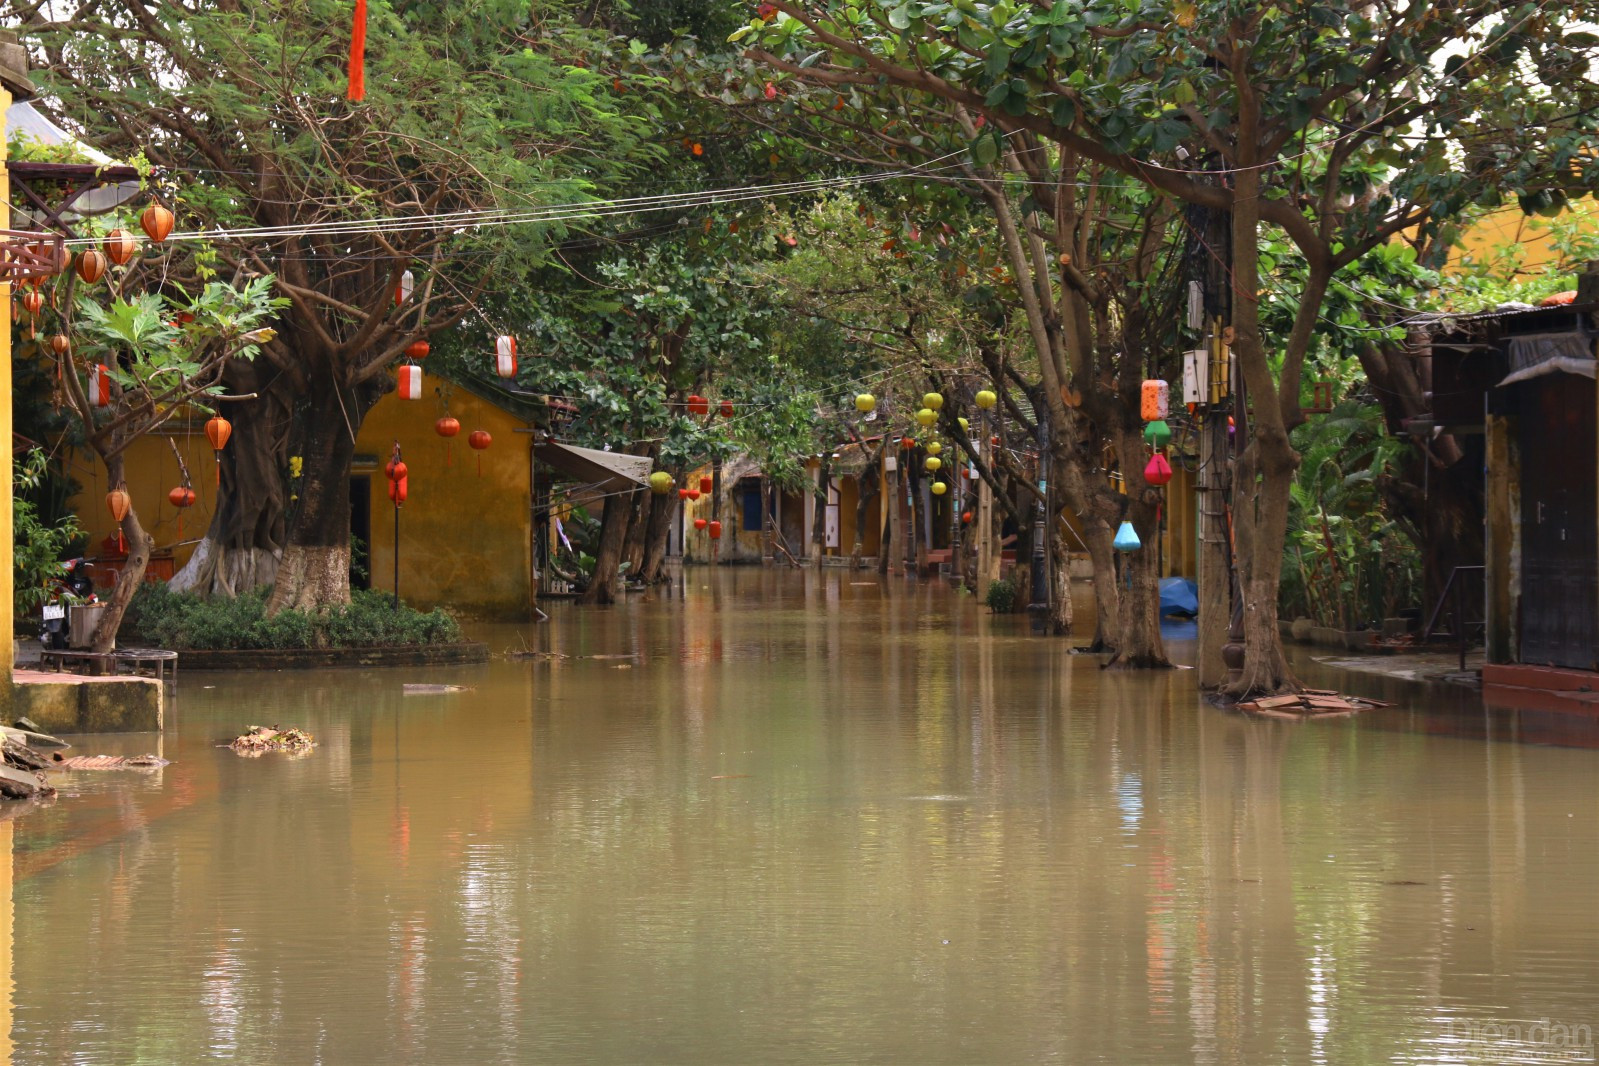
(136,660)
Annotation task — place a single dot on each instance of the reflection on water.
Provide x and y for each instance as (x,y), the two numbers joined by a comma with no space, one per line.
(806,820)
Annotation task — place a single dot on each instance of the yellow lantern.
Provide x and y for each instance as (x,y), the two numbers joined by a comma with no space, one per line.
(660,482)
(865,403)
(933,447)
(933,400)
(965,425)
(939,488)
(986,399)
(933,463)
(926,416)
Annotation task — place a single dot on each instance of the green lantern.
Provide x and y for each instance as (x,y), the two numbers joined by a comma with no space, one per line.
(1157,433)
(660,483)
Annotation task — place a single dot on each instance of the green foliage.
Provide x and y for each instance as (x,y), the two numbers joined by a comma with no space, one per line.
(181,621)
(1001,597)
(37,546)
(1349,561)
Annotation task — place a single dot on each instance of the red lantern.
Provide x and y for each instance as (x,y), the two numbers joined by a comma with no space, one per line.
(181,497)
(693,494)
(479,439)
(505,356)
(405,287)
(699,406)
(100,386)
(707,486)
(1158,471)
(907,443)
(726,408)
(966,517)
(682,494)
(716,530)
(410,383)
(91,265)
(417,350)
(156,221)
(700,523)
(447,427)
(217,431)
(120,246)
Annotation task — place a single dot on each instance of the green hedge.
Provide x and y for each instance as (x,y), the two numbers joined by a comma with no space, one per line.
(179,621)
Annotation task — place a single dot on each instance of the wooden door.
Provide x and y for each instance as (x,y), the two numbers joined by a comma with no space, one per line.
(1559,624)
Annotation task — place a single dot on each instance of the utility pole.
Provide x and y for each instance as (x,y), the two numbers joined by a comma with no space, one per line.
(985,513)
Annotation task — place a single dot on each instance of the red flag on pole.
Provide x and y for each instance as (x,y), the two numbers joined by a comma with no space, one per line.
(358,53)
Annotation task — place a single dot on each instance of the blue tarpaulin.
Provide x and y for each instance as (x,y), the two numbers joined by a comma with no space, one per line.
(1179,596)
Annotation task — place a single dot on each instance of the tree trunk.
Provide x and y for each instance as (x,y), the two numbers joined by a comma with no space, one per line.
(637,532)
(656,536)
(819,526)
(604,586)
(240,550)
(891,558)
(1060,606)
(140,544)
(314,571)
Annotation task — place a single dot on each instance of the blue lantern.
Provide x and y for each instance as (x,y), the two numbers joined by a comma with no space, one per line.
(1126,539)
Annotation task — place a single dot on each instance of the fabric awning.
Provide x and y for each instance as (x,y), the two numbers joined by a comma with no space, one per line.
(612,471)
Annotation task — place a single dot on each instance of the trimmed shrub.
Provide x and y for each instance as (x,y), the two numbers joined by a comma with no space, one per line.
(185,622)
(1001,597)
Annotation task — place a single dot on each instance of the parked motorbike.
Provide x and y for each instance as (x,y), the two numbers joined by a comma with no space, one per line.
(73,586)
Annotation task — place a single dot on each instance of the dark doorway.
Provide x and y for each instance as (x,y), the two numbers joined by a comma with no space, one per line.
(1559,538)
(361,532)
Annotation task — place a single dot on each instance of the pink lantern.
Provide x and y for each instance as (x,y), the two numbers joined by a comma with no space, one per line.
(403,291)
(410,383)
(505,356)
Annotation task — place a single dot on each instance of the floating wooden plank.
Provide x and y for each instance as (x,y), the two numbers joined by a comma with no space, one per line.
(1272,702)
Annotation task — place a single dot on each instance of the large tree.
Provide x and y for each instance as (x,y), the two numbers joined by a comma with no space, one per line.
(477,119)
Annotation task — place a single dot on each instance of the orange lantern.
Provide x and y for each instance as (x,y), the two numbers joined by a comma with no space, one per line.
(907,443)
(60,344)
(700,523)
(966,517)
(33,301)
(1154,399)
(181,498)
(417,350)
(119,504)
(505,356)
(699,406)
(410,380)
(479,439)
(716,530)
(707,486)
(91,265)
(447,427)
(156,221)
(120,246)
(217,431)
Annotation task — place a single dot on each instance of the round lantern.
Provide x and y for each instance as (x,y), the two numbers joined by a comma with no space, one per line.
(966,518)
(700,523)
(479,439)
(707,485)
(660,482)
(405,287)
(933,400)
(933,447)
(156,221)
(217,431)
(682,494)
(939,488)
(926,416)
(907,443)
(1157,471)
(1157,433)
(1126,539)
(417,350)
(693,494)
(181,497)
(396,470)
(699,406)
(505,356)
(60,344)
(33,300)
(120,246)
(726,408)
(865,403)
(91,265)
(410,382)
(447,426)
(716,530)
(986,399)
(100,386)
(965,425)
(934,463)
(1154,397)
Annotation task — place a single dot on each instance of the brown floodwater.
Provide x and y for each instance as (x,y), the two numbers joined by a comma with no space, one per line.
(810,818)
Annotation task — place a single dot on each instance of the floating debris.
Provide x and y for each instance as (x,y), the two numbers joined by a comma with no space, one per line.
(145,763)
(259,740)
(1311,703)
(431,690)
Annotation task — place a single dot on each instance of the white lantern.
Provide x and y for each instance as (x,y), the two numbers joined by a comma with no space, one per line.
(410,383)
(403,291)
(505,356)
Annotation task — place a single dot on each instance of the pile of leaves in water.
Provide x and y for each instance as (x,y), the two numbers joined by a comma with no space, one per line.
(258,740)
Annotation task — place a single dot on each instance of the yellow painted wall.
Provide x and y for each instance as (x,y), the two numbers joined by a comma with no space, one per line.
(465,540)
(1527,237)
(152,472)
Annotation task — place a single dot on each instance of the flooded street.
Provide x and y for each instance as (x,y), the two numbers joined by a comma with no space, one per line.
(810,818)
